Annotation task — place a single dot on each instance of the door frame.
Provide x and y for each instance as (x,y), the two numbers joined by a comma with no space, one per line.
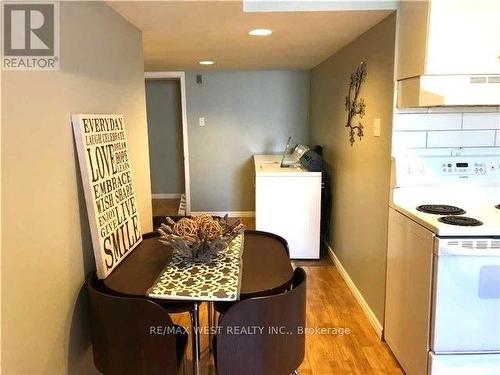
(182,78)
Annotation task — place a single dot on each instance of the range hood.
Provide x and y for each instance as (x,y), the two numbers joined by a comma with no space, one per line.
(448,53)
(449,90)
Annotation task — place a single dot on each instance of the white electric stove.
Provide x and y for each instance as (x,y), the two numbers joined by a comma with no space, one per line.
(443,264)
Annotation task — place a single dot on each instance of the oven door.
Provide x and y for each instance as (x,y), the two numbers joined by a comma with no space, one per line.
(466,298)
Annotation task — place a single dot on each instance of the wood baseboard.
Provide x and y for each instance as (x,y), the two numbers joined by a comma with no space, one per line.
(377,326)
(166,195)
(223,213)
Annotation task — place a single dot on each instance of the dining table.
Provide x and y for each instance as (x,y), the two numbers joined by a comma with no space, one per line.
(265,269)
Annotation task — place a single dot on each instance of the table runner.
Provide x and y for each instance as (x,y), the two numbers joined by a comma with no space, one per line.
(218,280)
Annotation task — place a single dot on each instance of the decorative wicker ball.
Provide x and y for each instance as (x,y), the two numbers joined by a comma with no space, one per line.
(210,229)
(185,227)
(202,218)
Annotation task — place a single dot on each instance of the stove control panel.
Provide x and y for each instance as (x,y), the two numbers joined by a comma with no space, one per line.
(452,167)
(444,170)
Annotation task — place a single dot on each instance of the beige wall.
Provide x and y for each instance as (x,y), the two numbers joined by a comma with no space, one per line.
(360,174)
(1,225)
(46,243)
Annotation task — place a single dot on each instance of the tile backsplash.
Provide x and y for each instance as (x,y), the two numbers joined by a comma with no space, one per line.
(445,128)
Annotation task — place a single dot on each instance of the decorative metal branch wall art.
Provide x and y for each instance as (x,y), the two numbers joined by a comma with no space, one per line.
(354,105)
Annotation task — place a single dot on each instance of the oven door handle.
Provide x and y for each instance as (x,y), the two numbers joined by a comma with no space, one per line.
(467,251)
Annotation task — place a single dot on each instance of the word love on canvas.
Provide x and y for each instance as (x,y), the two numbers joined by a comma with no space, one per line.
(107,160)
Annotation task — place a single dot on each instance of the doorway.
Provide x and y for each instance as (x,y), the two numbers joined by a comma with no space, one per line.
(168,146)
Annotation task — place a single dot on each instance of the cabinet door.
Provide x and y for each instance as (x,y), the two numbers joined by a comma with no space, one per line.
(413,22)
(290,207)
(464,37)
(448,37)
(408,292)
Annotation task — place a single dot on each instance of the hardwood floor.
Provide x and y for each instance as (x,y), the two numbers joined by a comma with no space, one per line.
(331,304)
(354,349)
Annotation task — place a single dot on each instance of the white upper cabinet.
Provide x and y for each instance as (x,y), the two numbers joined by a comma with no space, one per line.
(448,53)
(448,37)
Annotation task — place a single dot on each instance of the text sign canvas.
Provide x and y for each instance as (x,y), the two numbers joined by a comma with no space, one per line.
(109,188)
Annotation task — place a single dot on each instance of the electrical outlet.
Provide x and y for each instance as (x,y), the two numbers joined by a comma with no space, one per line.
(202,121)
(376,127)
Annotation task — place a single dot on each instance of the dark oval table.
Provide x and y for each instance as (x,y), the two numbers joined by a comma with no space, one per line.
(266,269)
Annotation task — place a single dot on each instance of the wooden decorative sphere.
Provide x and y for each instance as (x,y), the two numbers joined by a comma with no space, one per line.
(202,218)
(210,229)
(186,227)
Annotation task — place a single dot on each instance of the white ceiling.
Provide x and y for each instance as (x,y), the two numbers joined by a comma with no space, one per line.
(176,35)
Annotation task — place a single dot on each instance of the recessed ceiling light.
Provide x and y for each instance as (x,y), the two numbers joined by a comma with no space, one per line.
(206,62)
(260,32)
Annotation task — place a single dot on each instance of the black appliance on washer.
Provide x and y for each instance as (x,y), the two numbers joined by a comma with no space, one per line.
(312,160)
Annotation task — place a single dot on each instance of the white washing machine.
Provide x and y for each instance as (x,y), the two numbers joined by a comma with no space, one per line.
(288,203)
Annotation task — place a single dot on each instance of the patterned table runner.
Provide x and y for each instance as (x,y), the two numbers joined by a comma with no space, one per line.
(218,280)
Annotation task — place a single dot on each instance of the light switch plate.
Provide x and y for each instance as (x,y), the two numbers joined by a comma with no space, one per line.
(376,127)
(202,121)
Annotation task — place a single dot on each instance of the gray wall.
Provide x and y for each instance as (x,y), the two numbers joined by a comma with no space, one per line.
(360,173)
(46,244)
(163,102)
(246,113)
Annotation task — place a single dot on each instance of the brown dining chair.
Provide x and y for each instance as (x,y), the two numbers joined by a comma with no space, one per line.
(275,236)
(133,335)
(277,350)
